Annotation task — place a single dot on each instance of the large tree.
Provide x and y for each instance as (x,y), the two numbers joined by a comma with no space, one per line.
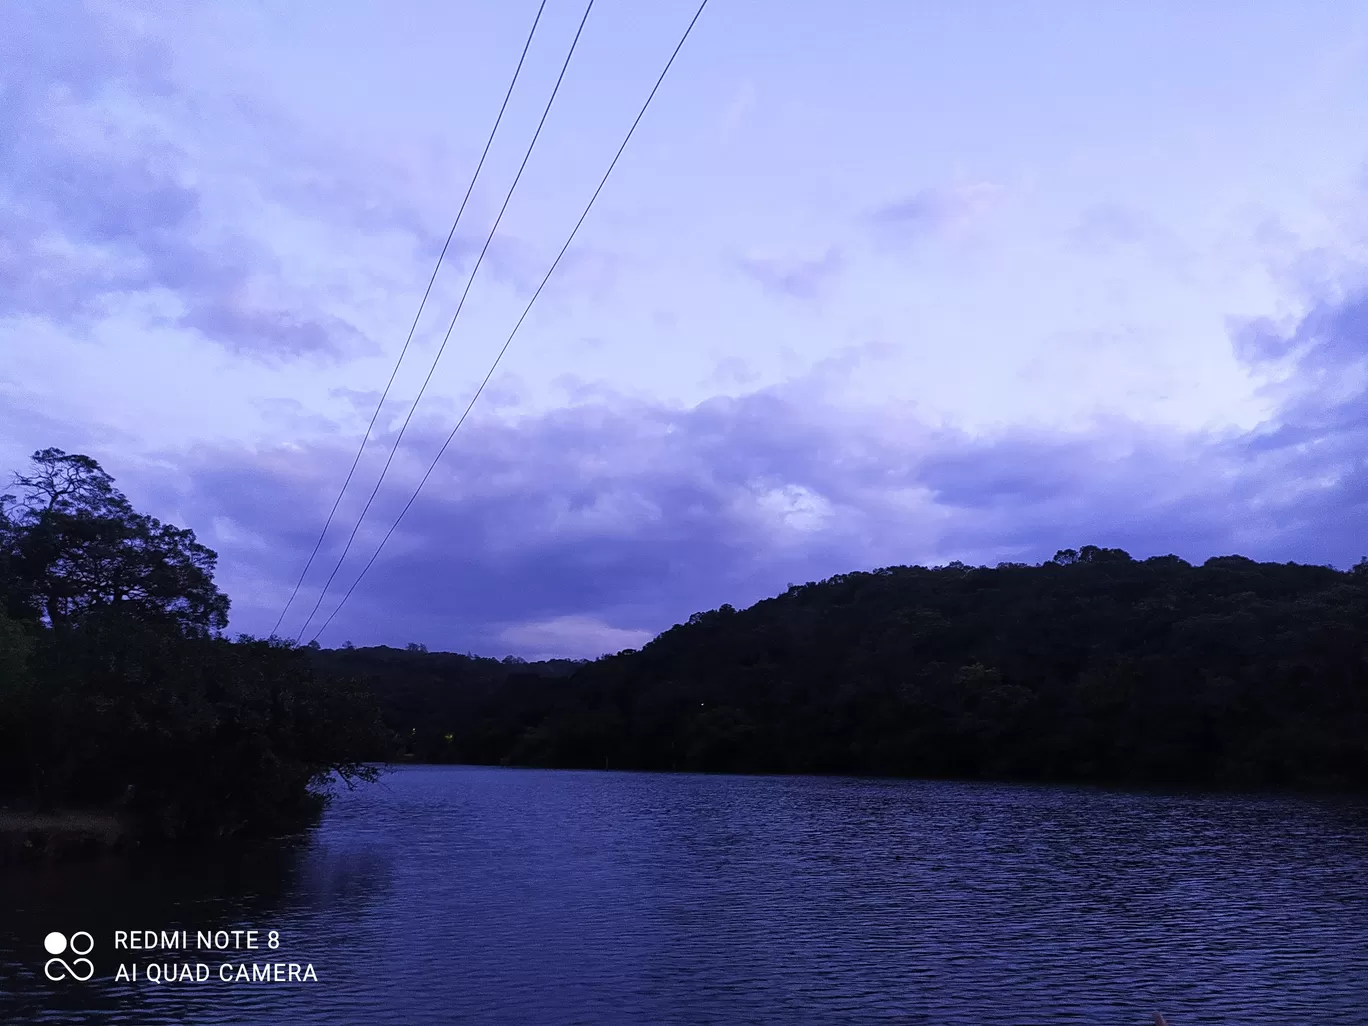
(71,543)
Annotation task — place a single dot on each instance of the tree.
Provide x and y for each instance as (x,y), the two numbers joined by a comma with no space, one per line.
(1094,554)
(71,543)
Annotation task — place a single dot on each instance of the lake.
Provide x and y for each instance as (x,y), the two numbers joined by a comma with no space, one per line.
(479,895)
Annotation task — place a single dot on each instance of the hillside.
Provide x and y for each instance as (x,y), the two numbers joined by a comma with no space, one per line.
(1092,666)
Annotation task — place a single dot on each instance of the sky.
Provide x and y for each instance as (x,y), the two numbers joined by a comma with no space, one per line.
(875,283)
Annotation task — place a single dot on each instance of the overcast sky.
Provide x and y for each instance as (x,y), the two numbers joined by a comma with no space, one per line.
(874,283)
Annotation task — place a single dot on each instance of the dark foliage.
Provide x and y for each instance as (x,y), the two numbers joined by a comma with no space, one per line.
(447,707)
(116,690)
(1092,666)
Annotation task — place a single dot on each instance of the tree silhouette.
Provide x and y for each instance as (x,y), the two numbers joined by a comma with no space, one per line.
(73,543)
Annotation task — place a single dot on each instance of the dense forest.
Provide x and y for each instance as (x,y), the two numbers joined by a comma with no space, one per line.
(1093,666)
(119,692)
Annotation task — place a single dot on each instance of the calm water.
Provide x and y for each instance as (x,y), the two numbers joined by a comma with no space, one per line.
(459,895)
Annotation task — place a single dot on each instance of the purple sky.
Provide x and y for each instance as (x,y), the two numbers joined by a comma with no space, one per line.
(874,283)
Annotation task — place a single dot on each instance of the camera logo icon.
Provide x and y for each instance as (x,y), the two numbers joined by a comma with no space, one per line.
(79,968)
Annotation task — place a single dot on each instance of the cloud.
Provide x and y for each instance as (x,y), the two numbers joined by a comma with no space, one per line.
(1114,230)
(732,371)
(1258,341)
(570,527)
(120,184)
(1318,366)
(799,278)
(1106,226)
(738,108)
(1333,336)
(934,211)
(571,637)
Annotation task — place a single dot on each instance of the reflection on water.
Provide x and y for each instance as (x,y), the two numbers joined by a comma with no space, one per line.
(466,895)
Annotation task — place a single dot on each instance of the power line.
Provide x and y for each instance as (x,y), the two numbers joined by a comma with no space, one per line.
(427,292)
(547,277)
(442,348)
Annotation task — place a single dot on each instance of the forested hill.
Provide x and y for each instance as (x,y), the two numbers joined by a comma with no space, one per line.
(1092,666)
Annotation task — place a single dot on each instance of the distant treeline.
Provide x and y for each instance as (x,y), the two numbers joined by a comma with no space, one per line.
(117,692)
(1091,667)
